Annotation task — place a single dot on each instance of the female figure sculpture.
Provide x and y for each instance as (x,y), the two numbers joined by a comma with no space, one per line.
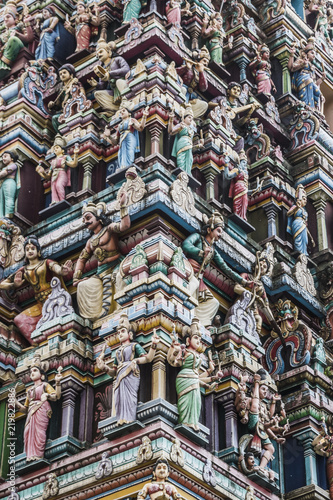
(261,70)
(132,9)
(85,24)
(49,34)
(174,11)
(9,184)
(188,380)
(159,488)
(38,273)
(125,369)
(38,409)
(298,221)
(59,173)
(239,186)
(212,29)
(183,145)
(303,80)
(127,135)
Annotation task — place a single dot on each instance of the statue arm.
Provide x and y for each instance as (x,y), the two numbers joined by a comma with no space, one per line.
(223,266)
(121,70)
(143,494)
(81,262)
(72,163)
(203,84)
(192,247)
(22,408)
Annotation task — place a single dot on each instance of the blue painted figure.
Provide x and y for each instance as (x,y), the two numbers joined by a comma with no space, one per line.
(9,184)
(49,35)
(298,222)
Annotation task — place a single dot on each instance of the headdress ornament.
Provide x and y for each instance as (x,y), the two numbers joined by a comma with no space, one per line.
(38,363)
(204,53)
(97,209)
(60,141)
(216,220)
(300,192)
(242,155)
(11,8)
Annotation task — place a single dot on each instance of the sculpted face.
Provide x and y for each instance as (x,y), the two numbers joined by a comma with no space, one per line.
(216,233)
(46,14)
(6,159)
(35,374)
(90,221)
(263,267)
(9,21)
(263,391)
(123,334)
(31,251)
(311,55)
(250,461)
(265,55)
(195,342)
(58,150)
(188,119)
(80,8)
(64,75)
(235,91)
(124,113)
(161,471)
(103,54)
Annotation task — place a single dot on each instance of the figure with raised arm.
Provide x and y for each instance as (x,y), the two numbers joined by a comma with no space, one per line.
(84,24)
(49,34)
(160,488)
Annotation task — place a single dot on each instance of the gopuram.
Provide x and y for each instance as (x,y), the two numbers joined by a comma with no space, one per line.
(166,243)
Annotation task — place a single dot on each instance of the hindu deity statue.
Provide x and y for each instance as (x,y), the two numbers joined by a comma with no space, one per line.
(189,380)
(174,11)
(160,488)
(60,169)
(38,273)
(38,409)
(14,36)
(127,135)
(298,221)
(261,70)
(183,144)
(111,72)
(9,183)
(125,371)
(48,33)
(94,294)
(132,9)
(84,24)
(303,80)
(212,30)
(201,251)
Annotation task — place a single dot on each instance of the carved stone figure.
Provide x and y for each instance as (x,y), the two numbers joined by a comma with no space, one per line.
(84,24)
(208,474)
(105,467)
(159,488)
(303,81)
(9,183)
(59,171)
(188,380)
(174,11)
(239,189)
(323,445)
(200,250)
(247,463)
(134,187)
(48,33)
(36,79)
(262,419)
(57,305)
(11,244)
(261,70)
(94,294)
(212,29)
(51,488)
(38,273)
(303,275)
(258,143)
(298,221)
(176,453)
(127,135)
(304,126)
(181,193)
(145,451)
(111,72)
(132,9)
(38,409)
(124,367)
(14,36)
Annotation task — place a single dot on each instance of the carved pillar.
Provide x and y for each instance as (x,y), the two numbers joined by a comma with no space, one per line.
(319,202)
(155,130)
(104,26)
(283,58)
(231,431)
(69,391)
(271,211)
(195,31)
(210,175)
(88,165)
(306,437)
(242,63)
(158,389)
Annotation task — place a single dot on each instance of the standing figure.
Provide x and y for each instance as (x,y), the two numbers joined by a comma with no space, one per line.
(212,29)
(13,37)
(183,144)
(126,371)
(174,11)
(127,135)
(94,295)
(200,250)
(9,184)
(38,409)
(239,186)
(59,173)
(159,488)
(262,418)
(49,34)
(189,380)
(261,70)
(132,9)
(85,24)
(194,78)
(38,273)
(298,221)
(303,80)
(111,72)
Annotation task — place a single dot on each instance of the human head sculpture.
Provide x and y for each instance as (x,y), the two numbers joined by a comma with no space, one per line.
(242,159)
(67,72)
(161,470)
(32,247)
(264,51)
(94,215)
(310,49)
(126,329)
(301,196)
(249,460)
(37,369)
(104,50)
(188,115)
(265,260)
(213,225)
(48,12)
(125,110)
(10,14)
(81,7)
(204,56)
(59,145)
(192,337)
(263,383)
(234,90)
(9,157)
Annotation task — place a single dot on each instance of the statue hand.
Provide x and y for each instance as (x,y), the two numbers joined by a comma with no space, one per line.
(107,132)
(43,397)
(18,281)
(145,112)
(67,24)
(40,169)
(208,251)
(276,397)
(201,143)
(256,377)
(50,104)
(200,67)
(58,376)
(67,267)
(100,360)
(92,82)
(123,199)
(155,338)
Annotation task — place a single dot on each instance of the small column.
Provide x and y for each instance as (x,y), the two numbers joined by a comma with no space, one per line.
(271,211)
(69,391)
(242,63)
(231,431)
(88,166)
(210,175)
(158,389)
(155,130)
(319,202)
(283,58)
(306,437)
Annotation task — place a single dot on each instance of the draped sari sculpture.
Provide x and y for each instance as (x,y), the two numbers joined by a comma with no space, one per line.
(298,222)
(84,25)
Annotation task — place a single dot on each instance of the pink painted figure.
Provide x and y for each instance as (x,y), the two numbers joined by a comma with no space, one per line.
(38,410)
(59,173)
(261,70)
(174,11)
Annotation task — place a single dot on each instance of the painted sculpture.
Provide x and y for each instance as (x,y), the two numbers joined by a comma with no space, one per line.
(160,488)
(125,371)
(212,30)
(127,135)
(323,445)
(260,68)
(189,381)
(9,183)
(262,419)
(14,36)
(59,171)
(303,80)
(94,294)
(84,25)
(38,273)
(298,222)
(174,11)
(239,190)
(132,9)
(201,251)
(111,72)
(183,144)
(38,409)
(48,33)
